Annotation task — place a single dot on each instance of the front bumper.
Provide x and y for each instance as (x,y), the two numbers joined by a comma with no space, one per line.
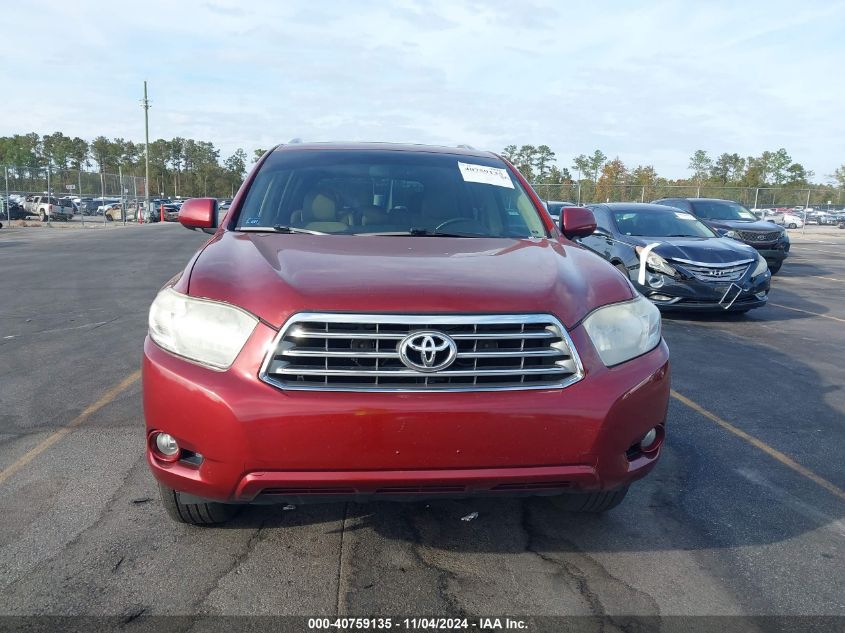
(260,443)
(773,254)
(694,295)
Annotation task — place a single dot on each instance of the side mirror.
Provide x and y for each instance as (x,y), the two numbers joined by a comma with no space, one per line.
(577,222)
(199,213)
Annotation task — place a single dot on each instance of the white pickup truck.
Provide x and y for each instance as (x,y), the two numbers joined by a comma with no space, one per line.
(49,207)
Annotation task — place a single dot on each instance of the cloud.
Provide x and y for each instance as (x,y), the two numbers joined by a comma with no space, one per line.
(648,82)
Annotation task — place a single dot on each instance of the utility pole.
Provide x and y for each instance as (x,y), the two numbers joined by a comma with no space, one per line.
(49,195)
(120,184)
(79,178)
(8,202)
(807,206)
(146,105)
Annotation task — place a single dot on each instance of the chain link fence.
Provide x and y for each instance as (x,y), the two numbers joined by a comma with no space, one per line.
(751,197)
(89,190)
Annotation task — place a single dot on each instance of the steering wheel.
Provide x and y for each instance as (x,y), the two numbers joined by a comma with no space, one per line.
(470,221)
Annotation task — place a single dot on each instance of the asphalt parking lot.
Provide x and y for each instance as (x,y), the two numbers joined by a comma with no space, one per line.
(744,514)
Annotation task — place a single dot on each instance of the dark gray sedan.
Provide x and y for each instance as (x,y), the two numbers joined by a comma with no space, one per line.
(677,261)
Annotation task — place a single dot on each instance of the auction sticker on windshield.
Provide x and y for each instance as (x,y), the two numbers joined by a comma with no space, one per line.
(485,175)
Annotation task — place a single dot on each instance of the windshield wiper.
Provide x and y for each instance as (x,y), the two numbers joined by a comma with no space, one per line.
(418,232)
(278,228)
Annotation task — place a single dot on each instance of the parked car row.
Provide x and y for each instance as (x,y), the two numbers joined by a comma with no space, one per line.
(693,254)
(49,208)
(677,261)
(731,219)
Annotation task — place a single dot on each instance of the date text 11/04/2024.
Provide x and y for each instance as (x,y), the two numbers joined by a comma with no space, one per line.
(417,624)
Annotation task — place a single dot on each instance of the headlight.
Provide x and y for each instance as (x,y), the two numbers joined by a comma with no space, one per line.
(761,266)
(204,331)
(656,263)
(733,235)
(623,331)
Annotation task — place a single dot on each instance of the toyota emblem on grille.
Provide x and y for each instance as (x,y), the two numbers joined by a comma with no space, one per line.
(427,351)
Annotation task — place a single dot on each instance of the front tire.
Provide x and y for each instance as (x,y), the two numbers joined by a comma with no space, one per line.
(590,502)
(206,513)
(792,226)
(622,268)
(774,268)
(42,216)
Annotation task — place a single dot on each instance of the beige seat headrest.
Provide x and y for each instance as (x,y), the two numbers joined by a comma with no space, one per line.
(319,206)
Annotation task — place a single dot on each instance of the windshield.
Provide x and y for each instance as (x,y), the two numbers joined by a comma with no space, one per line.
(389,192)
(660,224)
(723,210)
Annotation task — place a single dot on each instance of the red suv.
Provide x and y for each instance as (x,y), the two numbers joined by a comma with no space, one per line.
(397,322)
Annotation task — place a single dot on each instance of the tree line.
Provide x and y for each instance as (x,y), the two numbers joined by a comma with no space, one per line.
(187,167)
(601,176)
(179,166)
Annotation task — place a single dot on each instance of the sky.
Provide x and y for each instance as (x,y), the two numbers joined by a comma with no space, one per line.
(649,82)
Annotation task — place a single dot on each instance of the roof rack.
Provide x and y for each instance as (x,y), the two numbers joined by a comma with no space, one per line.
(295,141)
(465,146)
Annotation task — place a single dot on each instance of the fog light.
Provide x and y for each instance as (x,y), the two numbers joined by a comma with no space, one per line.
(762,295)
(648,440)
(166,445)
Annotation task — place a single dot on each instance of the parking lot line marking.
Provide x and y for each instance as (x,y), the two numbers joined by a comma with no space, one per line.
(58,434)
(757,443)
(824,316)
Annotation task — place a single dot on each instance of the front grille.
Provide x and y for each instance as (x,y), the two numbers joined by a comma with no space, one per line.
(758,237)
(733,272)
(361,352)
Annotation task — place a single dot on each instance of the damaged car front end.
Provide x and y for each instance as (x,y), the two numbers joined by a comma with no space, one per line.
(677,262)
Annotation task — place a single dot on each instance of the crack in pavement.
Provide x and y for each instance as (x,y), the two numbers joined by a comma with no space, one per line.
(237,560)
(340,566)
(582,581)
(443,575)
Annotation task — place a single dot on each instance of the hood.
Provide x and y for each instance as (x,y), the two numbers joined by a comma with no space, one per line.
(275,275)
(707,250)
(739,225)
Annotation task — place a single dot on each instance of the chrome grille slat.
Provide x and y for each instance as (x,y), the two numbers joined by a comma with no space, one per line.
(360,352)
(517,353)
(410,372)
(505,335)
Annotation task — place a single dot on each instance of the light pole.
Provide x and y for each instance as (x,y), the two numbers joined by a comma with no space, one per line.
(146,105)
